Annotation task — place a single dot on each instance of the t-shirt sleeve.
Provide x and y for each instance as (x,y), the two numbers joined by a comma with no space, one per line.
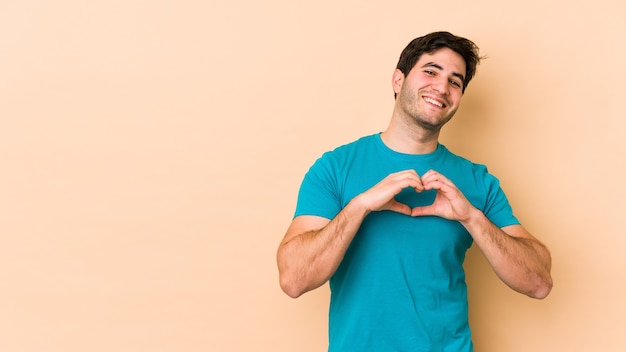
(319,193)
(497,207)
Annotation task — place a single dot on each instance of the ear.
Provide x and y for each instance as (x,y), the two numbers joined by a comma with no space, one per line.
(397,79)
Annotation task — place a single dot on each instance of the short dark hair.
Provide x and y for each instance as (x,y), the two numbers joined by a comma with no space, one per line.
(435,41)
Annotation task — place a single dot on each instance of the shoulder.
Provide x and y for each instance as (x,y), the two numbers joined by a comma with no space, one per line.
(348,151)
(469,176)
(355,145)
(477,169)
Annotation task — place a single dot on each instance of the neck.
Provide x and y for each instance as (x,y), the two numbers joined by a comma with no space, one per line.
(409,138)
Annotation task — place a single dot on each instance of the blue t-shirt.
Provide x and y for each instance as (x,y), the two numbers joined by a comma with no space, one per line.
(401,285)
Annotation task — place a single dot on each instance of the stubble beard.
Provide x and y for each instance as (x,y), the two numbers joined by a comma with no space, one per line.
(411,105)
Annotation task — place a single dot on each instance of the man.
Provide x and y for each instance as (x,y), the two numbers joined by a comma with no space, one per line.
(387,219)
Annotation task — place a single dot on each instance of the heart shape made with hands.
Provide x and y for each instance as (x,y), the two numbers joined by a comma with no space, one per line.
(413,198)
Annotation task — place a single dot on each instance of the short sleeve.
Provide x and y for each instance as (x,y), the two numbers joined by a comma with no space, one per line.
(497,207)
(319,193)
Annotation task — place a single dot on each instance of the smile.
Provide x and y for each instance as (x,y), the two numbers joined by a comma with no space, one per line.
(433,101)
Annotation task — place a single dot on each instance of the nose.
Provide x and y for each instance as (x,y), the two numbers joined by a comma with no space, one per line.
(440,85)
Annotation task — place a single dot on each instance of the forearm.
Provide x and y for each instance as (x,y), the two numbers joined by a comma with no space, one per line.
(307,260)
(520,260)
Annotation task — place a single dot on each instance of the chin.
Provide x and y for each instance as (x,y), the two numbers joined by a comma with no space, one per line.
(431,125)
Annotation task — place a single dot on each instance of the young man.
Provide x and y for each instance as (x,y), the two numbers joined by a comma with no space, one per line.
(387,219)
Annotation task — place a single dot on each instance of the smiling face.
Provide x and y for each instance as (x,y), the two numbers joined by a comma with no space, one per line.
(431,92)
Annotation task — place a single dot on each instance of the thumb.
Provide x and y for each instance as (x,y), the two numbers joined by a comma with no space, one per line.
(400,208)
(423,210)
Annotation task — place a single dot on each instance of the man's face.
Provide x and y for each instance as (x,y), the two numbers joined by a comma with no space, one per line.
(431,93)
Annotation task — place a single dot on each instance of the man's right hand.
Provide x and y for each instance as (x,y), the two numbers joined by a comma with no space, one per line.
(382,195)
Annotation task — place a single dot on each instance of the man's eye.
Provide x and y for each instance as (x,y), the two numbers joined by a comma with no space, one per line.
(455,83)
(429,72)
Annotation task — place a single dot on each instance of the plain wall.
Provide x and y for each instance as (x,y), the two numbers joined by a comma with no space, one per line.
(151,153)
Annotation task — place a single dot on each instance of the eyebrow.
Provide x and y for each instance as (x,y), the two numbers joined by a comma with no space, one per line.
(437,66)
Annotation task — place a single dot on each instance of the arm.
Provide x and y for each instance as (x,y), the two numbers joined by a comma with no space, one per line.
(518,258)
(313,247)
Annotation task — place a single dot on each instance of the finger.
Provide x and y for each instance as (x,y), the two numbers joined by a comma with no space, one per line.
(407,178)
(435,184)
(434,175)
(380,196)
(433,179)
(446,190)
(400,208)
(423,211)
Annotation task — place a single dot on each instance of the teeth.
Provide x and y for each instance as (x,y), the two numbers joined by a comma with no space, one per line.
(433,101)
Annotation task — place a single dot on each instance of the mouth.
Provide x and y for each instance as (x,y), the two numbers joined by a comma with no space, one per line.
(435,102)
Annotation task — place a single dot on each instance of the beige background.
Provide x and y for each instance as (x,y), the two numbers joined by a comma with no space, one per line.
(151,153)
